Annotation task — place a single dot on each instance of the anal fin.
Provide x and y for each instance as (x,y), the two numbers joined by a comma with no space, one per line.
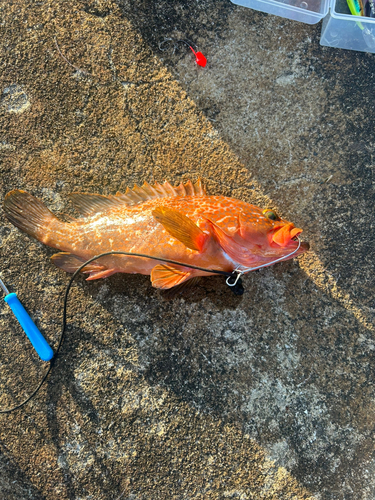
(70,263)
(95,275)
(165,277)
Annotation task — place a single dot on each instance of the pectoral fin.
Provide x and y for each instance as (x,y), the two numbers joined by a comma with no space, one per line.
(181,227)
(163,276)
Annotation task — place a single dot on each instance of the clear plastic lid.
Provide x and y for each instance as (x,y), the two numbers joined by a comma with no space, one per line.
(305,11)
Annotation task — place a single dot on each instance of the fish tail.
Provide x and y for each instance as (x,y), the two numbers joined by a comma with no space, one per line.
(31,216)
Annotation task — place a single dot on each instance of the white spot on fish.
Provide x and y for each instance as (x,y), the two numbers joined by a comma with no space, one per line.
(135,219)
(223,218)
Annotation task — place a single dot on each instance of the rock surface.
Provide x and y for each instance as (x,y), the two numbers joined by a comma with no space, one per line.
(265,396)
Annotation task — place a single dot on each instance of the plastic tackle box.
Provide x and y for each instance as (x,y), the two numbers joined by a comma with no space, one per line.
(306,11)
(340,28)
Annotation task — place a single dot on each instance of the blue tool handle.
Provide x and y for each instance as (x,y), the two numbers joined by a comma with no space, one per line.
(36,338)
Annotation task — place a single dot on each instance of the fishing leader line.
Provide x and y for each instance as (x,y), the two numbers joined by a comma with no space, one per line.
(236,287)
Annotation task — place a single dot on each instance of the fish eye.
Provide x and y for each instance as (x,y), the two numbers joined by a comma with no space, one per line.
(270,214)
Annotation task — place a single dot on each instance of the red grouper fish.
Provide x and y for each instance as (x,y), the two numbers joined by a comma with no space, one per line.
(181,223)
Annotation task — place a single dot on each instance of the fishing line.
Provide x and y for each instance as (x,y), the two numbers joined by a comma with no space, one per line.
(235,275)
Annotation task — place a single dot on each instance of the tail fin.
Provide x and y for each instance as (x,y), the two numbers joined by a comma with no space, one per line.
(29,214)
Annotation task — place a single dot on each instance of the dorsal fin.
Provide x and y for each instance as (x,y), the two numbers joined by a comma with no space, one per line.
(88,204)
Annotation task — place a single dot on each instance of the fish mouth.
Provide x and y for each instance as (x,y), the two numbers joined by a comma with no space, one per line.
(286,234)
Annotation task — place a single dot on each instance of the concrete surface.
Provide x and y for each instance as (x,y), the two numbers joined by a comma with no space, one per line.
(211,396)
